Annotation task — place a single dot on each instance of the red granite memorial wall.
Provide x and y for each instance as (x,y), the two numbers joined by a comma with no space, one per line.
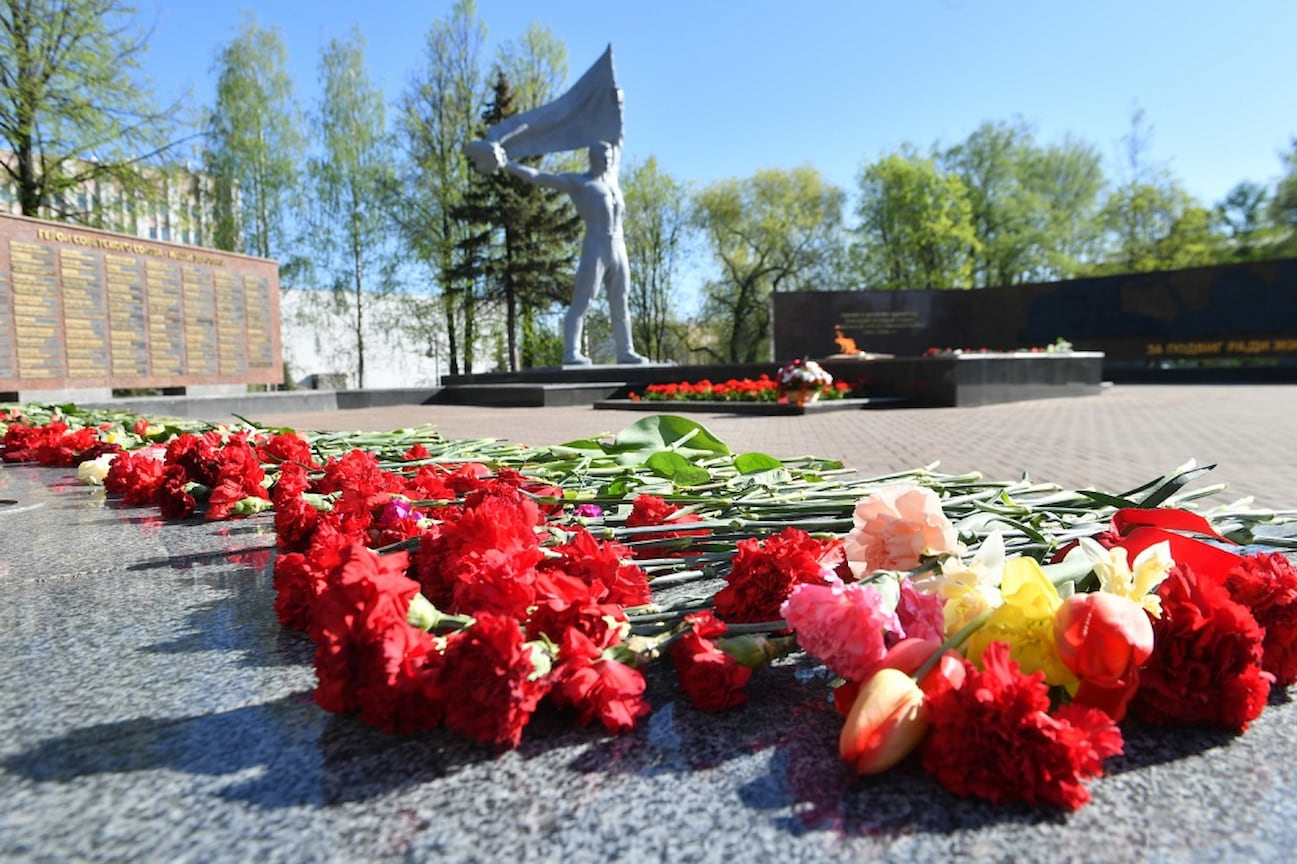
(87,308)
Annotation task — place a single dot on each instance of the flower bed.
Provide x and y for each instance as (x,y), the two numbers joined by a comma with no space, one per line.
(763,389)
(999,631)
(798,382)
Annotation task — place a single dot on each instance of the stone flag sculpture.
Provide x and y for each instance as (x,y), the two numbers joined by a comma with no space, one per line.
(589,115)
(586,114)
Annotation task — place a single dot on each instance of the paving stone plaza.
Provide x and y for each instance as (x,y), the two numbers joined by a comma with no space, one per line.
(152,708)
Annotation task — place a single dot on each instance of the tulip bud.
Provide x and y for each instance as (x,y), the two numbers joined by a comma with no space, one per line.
(1103,638)
(909,655)
(886,722)
(754,650)
(250,506)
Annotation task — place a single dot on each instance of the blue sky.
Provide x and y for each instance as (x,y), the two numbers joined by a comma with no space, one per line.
(719,89)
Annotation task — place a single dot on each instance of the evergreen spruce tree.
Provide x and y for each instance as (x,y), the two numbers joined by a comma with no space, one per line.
(520,246)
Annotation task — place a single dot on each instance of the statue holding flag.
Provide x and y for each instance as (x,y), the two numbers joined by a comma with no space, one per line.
(588,115)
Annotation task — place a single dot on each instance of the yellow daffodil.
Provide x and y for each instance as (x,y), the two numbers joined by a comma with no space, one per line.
(1025,621)
(1137,581)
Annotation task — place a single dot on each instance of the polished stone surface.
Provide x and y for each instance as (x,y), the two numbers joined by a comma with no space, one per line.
(151,709)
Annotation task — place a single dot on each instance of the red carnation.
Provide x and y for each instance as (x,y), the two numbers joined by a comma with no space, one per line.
(489,670)
(712,679)
(299,578)
(485,561)
(51,444)
(19,439)
(238,476)
(603,623)
(291,482)
(293,591)
(196,454)
(398,668)
(429,483)
(137,476)
(597,687)
(467,477)
(65,450)
(1206,663)
(286,448)
(649,510)
(1267,585)
(295,522)
(766,571)
(993,738)
(606,567)
(360,581)
(173,497)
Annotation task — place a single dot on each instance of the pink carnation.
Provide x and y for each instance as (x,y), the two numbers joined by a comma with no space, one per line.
(895,528)
(922,616)
(841,625)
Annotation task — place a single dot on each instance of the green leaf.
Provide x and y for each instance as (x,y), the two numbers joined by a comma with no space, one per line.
(619,488)
(1171,485)
(665,432)
(677,469)
(751,463)
(1109,500)
(579,444)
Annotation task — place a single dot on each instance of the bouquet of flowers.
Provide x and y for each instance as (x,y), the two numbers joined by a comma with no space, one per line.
(802,373)
(803,380)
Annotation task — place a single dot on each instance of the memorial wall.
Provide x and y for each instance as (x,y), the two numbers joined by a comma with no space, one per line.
(1139,319)
(87,308)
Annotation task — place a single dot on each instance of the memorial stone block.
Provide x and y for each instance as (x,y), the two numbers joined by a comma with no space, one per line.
(86,308)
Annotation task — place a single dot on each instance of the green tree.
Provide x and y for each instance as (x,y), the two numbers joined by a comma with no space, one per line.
(1192,241)
(1067,179)
(992,163)
(1150,221)
(1283,206)
(1157,227)
(536,66)
(254,143)
(1244,214)
(658,236)
(1032,207)
(74,107)
(349,228)
(438,112)
(1139,219)
(916,226)
(774,231)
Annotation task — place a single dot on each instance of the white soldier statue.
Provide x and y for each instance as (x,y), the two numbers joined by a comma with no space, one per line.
(588,115)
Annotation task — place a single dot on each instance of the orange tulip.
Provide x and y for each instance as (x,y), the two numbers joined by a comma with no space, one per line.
(886,722)
(908,656)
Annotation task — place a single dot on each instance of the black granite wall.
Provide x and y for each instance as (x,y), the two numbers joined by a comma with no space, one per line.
(1242,310)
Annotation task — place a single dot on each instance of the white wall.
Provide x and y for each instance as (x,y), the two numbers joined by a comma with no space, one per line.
(319,339)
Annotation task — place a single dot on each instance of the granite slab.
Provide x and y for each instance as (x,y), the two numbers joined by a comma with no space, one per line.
(151,709)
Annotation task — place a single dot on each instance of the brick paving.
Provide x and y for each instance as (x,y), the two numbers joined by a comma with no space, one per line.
(1125,436)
